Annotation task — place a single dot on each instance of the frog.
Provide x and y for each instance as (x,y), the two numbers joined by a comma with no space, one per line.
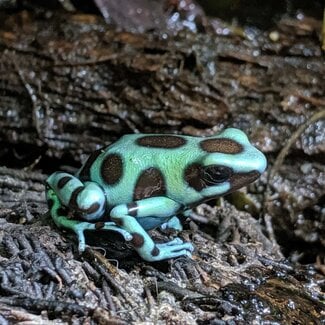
(145,181)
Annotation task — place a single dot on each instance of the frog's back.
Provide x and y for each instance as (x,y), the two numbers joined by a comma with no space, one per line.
(183,168)
(139,166)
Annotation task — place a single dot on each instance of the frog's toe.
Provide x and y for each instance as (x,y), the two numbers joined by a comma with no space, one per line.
(164,226)
(173,242)
(172,223)
(178,243)
(188,246)
(174,248)
(183,252)
(81,245)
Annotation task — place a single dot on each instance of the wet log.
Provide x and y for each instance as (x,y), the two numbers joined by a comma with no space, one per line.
(70,88)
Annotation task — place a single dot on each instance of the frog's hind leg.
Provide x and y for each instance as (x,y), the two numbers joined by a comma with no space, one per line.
(57,212)
(127,216)
(87,199)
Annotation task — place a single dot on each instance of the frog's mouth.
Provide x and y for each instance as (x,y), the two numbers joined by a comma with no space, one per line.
(239,180)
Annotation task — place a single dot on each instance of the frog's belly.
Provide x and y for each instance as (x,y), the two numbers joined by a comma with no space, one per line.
(148,223)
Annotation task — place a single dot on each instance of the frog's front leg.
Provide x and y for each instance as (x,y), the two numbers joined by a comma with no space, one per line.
(172,223)
(128,217)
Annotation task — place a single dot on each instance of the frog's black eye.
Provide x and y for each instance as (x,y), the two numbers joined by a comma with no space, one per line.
(215,174)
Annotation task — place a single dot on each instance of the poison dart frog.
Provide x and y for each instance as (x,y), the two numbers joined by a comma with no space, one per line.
(144,181)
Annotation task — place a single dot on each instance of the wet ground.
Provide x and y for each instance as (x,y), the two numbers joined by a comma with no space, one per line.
(71,83)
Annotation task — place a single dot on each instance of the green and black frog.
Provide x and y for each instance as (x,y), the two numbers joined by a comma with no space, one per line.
(143,181)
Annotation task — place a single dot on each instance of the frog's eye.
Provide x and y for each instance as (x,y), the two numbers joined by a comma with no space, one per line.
(215,174)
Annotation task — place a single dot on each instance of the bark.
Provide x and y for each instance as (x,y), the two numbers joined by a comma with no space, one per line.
(70,83)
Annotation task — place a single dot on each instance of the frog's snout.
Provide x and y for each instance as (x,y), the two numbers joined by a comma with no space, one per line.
(261,162)
(252,160)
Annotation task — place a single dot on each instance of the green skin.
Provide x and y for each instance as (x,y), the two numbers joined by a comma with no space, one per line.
(143,181)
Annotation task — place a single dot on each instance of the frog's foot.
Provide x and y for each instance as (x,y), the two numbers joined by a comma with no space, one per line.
(173,223)
(172,249)
(127,216)
(79,227)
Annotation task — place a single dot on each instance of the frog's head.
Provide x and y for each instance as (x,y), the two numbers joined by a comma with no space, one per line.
(229,163)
